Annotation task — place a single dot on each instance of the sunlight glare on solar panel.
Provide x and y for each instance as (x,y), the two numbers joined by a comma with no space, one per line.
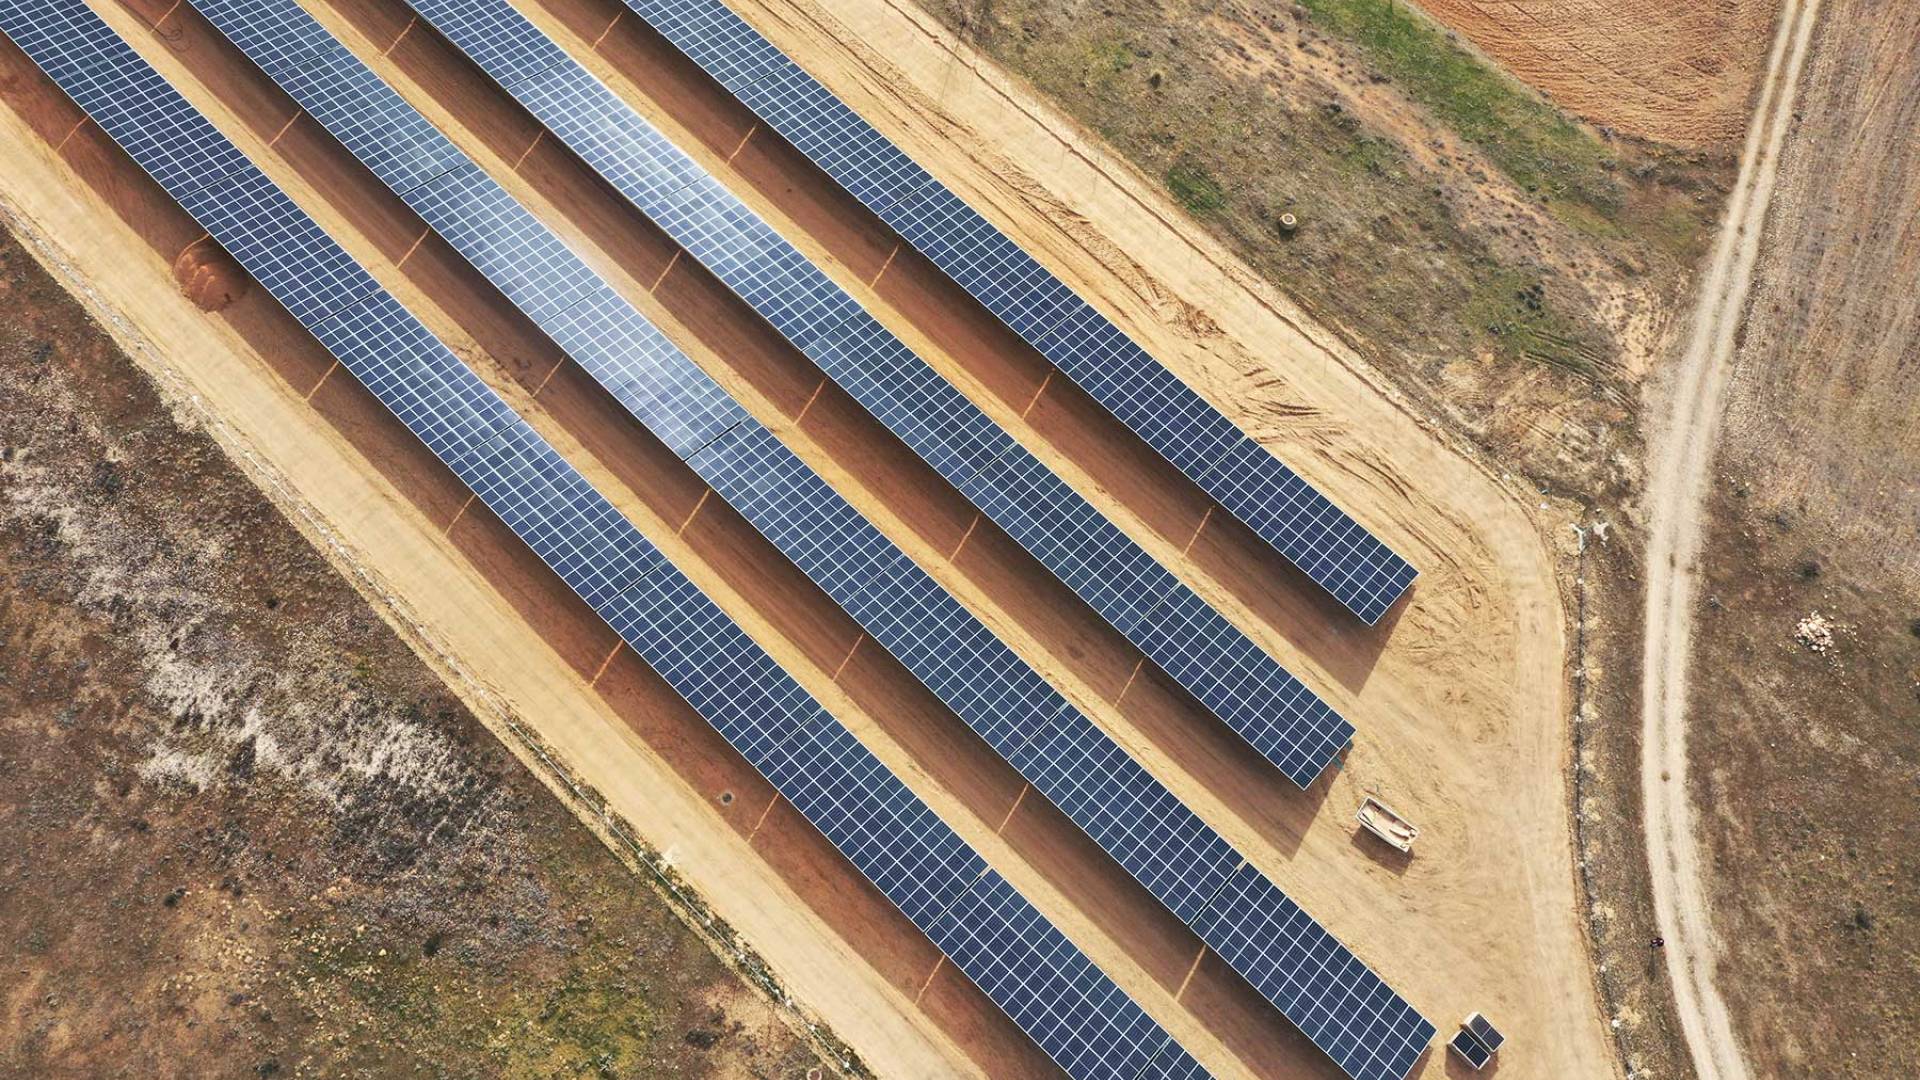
(889,835)
(1085,345)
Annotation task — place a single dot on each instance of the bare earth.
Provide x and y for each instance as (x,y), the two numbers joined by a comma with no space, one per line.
(1680,457)
(1804,759)
(1461,701)
(1676,73)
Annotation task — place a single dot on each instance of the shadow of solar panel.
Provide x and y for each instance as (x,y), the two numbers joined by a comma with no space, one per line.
(1086,346)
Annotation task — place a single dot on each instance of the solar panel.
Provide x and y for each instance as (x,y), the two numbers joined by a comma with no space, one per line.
(1484,1031)
(1469,1049)
(1173,1063)
(886,832)
(1064,531)
(779,730)
(1324,989)
(1087,347)
(1000,942)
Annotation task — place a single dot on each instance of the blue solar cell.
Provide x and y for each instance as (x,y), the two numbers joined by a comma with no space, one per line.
(1072,538)
(1137,820)
(887,833)
(1329,994)
(1275,712)
(1174,1063)
(1009,950)
(1469,1049)
(1008,282)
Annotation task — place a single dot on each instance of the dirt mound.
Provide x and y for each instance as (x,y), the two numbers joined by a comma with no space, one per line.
(209,277)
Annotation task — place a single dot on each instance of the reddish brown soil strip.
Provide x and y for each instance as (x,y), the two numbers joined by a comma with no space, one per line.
(878,274)
(1197,957)
(1037,394)
(1197,530)
(1015,808)
(851,649)
(611,653)
(695,512)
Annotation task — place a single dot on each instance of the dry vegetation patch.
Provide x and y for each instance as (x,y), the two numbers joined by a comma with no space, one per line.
(242,829)
(1806,742)
(1512,269)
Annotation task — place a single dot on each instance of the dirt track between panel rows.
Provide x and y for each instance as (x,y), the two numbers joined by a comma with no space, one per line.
(1677,479)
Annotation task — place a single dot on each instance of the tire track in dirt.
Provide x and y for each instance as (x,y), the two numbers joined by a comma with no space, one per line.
(1679,462)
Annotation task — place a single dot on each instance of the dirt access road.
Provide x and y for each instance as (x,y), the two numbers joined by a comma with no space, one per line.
(1677,481)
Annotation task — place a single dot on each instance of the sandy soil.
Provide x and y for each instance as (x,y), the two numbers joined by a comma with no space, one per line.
(1681,455)
(1461,701)
(1675,73)
(1803,758)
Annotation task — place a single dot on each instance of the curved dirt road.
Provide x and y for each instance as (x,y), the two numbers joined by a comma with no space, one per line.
(1680,463)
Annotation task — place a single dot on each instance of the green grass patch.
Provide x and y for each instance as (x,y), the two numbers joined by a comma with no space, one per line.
(1529,140)
(1195,187)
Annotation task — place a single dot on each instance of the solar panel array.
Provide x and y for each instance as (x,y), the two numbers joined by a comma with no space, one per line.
(1070,1008)
(1066,757)
(1252,693)
(1245,478)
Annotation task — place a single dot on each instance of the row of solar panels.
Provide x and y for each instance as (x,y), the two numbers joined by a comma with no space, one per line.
(1066,757)
(1070,1008)
(1243,477)
(1204,652)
